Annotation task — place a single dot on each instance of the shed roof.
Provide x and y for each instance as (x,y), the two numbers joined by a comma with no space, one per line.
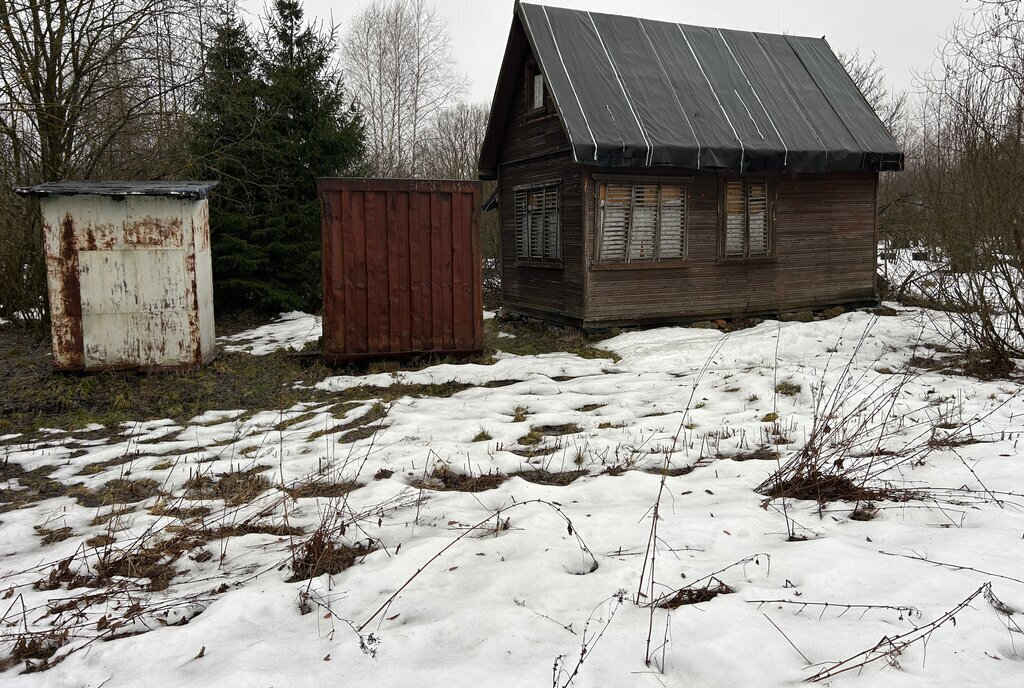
(118,189)
(635,92)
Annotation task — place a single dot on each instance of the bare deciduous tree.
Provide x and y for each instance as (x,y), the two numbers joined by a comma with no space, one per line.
(87,88)
(400,69)
(968,209)
(451,142)
(868,75)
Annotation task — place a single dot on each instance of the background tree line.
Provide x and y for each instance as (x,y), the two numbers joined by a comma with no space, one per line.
(160,89)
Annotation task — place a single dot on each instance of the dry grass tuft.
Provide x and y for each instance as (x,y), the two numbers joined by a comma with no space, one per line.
(533,452)
(543,477)
(116,491)
(759,454)
(51,537)
(712,589)
(101,540)
(234,487)
(538,433)
(33,486)
(325,490)
(814,485)
(444,479)
(154,563)
(247,528)
(787,388)
(670,472)
(100,466)
(179,512)
(322,554)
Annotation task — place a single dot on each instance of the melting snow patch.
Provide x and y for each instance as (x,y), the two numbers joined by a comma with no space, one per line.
(290,331)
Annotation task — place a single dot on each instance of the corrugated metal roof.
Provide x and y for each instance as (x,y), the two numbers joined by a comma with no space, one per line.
(640,93)
(118,189)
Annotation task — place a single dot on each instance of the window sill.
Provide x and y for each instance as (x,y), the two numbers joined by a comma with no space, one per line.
(547,264)
(644,265)
(753,260)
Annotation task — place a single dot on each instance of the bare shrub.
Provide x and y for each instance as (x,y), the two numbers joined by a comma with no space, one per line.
(964,208)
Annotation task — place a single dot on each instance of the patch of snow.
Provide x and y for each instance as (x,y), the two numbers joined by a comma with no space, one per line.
(290,331)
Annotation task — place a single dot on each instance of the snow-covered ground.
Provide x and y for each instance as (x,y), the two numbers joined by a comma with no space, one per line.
(514,601)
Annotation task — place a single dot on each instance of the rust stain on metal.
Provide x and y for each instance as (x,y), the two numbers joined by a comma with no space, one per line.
(153,231)
(194,333)
(68,340)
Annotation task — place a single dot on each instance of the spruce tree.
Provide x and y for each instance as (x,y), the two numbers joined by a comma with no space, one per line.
(310,133)
(271,118)
(225,146)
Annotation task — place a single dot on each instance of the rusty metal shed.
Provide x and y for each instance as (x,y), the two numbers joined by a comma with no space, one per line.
(128,273)
(401,268)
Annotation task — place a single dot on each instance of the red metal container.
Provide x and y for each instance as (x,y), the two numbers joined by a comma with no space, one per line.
(401,268)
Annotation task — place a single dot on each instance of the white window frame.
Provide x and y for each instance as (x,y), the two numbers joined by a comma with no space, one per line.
(654,228)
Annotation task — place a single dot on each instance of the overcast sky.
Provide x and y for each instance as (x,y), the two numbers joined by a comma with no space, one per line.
(904,33)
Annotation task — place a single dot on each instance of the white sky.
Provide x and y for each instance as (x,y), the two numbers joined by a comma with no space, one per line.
(904,33)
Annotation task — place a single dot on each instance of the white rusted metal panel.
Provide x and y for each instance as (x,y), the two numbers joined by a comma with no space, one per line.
(130,280)
(200,220)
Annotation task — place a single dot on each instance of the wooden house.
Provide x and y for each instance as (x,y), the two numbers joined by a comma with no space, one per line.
(651,172)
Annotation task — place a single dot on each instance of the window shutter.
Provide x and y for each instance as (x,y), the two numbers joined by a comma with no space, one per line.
(535,212)
(550,245)
(672,223)
(537,224)
(615,222)
(757,217)
(644,222)
(522,227)
(735,217)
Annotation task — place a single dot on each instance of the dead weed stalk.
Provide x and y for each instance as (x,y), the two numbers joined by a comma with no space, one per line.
(889,650)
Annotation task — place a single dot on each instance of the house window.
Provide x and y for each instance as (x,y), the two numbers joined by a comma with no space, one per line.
(746,218)
(642,222)
(535,88)
(538,225)
(538,91)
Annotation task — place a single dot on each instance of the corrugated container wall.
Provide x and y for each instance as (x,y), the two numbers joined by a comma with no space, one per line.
(129,275)
(401,267)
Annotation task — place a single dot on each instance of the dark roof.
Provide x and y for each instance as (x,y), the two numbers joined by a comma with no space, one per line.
(640,93)
(192,190)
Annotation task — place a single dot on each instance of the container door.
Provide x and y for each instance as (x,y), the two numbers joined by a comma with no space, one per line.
(134,310)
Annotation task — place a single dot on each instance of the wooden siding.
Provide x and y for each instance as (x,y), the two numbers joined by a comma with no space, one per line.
(402,268)
(535,151)
(825,237)
(532,289)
